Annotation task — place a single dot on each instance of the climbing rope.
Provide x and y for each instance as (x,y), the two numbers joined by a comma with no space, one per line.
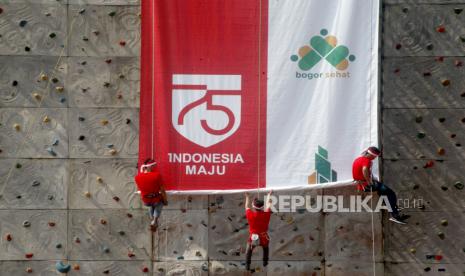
(41,99)
(259,92)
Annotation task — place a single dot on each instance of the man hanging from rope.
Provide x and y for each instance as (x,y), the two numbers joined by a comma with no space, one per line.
(361,171)
(152,191)
(258,218)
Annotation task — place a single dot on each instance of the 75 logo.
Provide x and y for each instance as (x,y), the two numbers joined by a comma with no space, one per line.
(206,109)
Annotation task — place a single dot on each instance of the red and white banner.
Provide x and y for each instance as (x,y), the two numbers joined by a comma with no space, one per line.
(247,94)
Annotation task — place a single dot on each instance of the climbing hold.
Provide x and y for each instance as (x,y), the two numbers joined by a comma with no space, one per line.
(95,32)
(107,271)
(429,164)
(429,46)
(110,146)
(128,121)
(444,222)
(54,80)
(85,38)
(35,183)
(8,237)
(106,250)
(81,138)
(458,63)
(22,23)
(58,246)
(51,151)
(458,10)
(129,215)
(77,240)
(106,84)
(81,119)
(198,254)
(14,83)
(438,257)
(398,46)
(46,119)
(191,238)
(145,269)
(426,74)
(17,127)
(76,267)
(26,223)
(59,89)
(27,48)
(51,224)
(50,197)
(29,255)
(102,221)
(405,10)
(444,188)
(440,59)
(441,29)
(427,269)
(99,179)
(62,99)
(442,120)
(421,135)
(112,151)
(453,135)
(29,270)
(43,77)
(121,76)
(112,13)
(1,10)
(122,43)
(55,142)
(104,122)
(82,11)
(119,96)
(108,61)
(180,258)
(441,151)
(62,268)
(37,96)
(87,194)
(418,119)
(441,235)
(445,82)
(115,198)
(131,254)
(458,185)
(458,145)
(18,166)
(122,233)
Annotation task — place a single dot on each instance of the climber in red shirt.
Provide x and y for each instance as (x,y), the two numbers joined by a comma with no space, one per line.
(361,172)
(151,190)
(258,218)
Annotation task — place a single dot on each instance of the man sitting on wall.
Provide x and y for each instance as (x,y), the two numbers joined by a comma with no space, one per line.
(258,217)
(361,171)
(151,190)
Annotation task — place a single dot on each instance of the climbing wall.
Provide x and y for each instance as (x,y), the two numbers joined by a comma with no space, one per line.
(69,97)
(423,122)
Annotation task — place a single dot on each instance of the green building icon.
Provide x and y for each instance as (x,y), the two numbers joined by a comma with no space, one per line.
(323,172)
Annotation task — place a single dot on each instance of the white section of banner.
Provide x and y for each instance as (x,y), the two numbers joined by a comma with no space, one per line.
(314,108)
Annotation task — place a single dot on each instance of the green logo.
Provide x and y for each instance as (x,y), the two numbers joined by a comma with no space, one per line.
(323,47)
(323,172)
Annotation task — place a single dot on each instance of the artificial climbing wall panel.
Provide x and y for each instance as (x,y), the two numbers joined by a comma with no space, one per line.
(423,123)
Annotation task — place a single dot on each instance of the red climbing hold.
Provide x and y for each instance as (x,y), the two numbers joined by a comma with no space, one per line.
(440,59)
(429,164)
(8,237)
(438,257)
(441,29)
(29,255)
(131,254)
(51,224)
(122,43)
(458,63)
(145,269)
(1,10)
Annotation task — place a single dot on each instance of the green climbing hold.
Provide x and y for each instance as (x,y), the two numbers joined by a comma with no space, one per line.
(421,135)
(52,35)
(112,13)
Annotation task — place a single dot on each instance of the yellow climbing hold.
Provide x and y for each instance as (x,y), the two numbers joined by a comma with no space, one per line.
(43,77)
(17,127)
(99,179)
(113,151)
(46,119)
(59,89)
(413,250)
(104,122)
(87,194)
(37,96)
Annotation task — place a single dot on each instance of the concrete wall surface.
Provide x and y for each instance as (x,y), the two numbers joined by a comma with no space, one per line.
(69,124)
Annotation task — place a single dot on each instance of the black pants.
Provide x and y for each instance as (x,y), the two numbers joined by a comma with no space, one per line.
(384,190)
(250,249)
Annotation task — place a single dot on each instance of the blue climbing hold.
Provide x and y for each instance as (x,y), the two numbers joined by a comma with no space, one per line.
(62,268)
(51,151)
(55,142)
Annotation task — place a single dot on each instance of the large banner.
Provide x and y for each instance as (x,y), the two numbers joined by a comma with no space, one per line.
(247,94)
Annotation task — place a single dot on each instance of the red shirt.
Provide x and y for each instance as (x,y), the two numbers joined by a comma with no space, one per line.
(149,186)
(258,221)
(357,170)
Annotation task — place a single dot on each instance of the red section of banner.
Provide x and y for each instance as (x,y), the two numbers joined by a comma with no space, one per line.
(209,104)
